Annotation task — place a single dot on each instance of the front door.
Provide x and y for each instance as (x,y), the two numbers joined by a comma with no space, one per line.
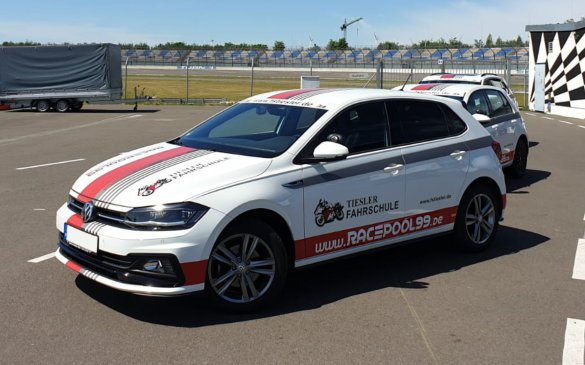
(436,162)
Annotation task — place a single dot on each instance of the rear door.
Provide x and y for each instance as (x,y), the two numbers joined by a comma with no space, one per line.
(436,160)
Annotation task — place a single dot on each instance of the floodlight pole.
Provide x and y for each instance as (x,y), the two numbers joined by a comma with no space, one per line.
(252,80)
(188,57)
(126,78)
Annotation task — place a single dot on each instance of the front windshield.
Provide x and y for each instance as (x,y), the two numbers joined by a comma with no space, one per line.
(252,129)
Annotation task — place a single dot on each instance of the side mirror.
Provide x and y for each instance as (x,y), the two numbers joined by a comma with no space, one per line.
(330,151)
(483,119)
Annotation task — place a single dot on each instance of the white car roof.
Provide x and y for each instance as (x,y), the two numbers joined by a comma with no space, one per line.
(459,77)
(455,90)
(331,99)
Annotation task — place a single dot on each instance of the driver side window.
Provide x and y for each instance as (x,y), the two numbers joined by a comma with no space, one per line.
(477,104)
(360,128)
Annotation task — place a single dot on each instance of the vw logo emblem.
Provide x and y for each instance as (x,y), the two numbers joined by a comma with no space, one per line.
(88,213)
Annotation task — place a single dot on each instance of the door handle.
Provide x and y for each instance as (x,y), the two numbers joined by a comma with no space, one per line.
(393,169)
(458,155)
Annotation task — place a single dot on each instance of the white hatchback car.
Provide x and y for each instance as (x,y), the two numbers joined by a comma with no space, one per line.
(278,181)
(496,112)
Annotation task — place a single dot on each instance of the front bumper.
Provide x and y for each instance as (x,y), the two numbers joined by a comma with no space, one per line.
(131,288)
(119,258)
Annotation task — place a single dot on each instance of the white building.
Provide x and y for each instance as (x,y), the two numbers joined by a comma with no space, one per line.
(557,68)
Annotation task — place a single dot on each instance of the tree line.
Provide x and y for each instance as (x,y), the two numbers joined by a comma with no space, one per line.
(341,44)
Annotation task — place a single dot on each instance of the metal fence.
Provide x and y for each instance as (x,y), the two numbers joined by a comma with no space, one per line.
(464,58)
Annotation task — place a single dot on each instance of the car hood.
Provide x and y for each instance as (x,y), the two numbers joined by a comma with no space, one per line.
(162,174)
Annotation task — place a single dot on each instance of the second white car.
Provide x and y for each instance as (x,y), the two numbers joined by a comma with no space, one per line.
(494,109)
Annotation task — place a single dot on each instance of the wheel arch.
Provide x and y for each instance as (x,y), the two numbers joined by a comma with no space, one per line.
(492,185)
(274,220)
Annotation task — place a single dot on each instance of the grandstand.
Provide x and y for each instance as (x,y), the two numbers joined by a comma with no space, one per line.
(359,58)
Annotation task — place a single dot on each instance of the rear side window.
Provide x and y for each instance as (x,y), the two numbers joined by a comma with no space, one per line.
(454,123)
(413,121)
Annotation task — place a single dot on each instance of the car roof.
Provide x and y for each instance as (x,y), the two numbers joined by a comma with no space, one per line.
(460,77)
(453,90)
(331,99)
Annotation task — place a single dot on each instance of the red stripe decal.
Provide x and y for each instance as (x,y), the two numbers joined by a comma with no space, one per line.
(110,178)
(75,221)
(349,238)
(300,250)
(73,266)
(423,87)
(448,76)
(194,272)
(290,94)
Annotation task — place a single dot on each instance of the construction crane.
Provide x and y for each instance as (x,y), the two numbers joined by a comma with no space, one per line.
(346,24)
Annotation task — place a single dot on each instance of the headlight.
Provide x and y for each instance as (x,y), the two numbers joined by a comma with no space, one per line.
(170,216)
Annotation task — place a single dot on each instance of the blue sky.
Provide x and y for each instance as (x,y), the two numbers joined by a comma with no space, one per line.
(293,22)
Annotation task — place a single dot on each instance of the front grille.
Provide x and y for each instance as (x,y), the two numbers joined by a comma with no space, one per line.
(104,216)
(127,269)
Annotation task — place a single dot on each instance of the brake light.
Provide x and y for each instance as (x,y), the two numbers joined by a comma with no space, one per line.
(497,149)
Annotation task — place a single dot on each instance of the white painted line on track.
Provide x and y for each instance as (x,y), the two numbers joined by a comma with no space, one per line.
(50,164)
(59,131)
(40,210)
(582,126)
(532,115)
(574,350)
(562,121)
(547,118)
(579,266)
(42,258)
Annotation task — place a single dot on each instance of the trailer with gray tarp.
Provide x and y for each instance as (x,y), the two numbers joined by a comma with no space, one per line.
(61,78)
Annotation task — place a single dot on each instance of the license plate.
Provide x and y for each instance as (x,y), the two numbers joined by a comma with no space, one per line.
(82,240)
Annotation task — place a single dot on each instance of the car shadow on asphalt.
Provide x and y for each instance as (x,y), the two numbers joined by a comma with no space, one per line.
(407,266)
(531,177)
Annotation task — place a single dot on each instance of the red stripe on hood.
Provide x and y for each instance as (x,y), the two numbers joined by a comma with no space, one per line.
(290,94)
(110,178)
(448,76)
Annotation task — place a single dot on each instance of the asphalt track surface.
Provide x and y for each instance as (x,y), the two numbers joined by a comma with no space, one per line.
(424,303)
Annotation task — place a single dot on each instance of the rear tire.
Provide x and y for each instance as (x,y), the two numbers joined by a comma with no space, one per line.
(43,106)
(518,167)
(477,219)
(62,106)
(247,267)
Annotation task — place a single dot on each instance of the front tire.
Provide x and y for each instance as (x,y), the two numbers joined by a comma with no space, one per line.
(477,219)
(247,268)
